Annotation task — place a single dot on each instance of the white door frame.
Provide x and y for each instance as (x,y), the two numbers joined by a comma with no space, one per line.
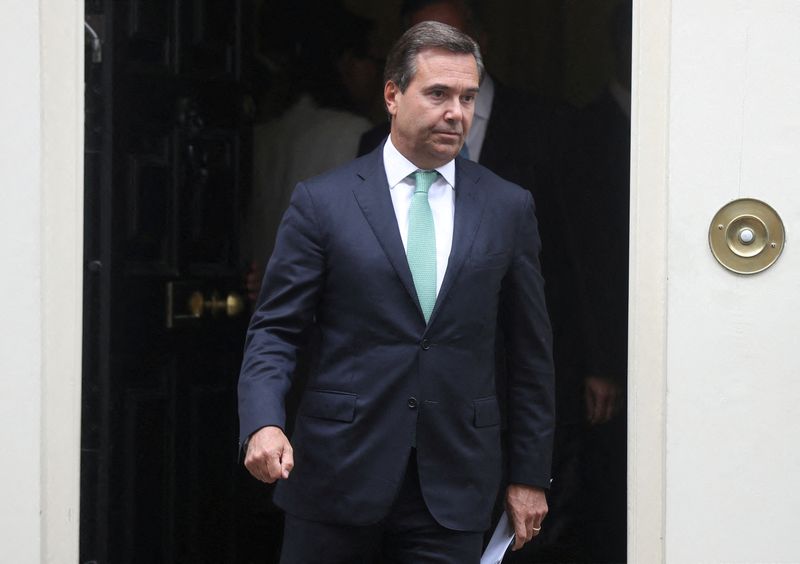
(62,56)
(648,281)
(42,245)
(62,83)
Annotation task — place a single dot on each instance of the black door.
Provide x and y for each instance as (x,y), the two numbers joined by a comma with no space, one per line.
(167,128)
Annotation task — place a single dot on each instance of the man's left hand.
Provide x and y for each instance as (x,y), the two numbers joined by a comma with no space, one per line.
(527,507)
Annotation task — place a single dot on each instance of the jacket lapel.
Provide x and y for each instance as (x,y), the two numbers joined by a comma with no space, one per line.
(373,196)
(469,204)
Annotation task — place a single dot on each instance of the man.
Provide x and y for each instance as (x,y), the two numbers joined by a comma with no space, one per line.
(406,271)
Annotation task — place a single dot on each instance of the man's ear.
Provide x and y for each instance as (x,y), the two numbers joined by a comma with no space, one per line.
(390,93)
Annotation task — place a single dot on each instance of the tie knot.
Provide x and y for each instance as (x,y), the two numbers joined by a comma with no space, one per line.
(423,180)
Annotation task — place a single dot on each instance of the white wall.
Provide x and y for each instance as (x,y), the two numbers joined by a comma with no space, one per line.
(733,382)
(41,223)
(714,384)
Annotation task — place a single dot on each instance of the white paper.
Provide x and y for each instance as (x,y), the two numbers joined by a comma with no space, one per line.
(501,539)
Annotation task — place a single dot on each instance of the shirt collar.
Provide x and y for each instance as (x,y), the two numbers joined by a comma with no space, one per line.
(398,167)
(483,104)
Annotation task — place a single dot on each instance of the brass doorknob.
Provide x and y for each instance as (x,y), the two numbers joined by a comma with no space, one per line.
(232,305)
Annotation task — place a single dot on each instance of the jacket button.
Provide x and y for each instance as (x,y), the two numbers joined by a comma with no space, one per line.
(426,344)
(412,403)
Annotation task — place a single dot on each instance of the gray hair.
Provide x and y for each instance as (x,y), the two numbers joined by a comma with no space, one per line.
(401,63)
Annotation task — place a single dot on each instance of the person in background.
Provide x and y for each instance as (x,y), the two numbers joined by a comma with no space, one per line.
(333,77)
(599,188)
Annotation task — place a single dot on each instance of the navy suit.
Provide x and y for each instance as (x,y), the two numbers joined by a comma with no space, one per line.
(383,380)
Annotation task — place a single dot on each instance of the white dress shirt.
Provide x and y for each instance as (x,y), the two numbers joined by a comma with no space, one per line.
(441,197)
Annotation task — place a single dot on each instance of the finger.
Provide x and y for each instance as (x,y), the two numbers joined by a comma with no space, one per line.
(248,463)
(538,519)
(528,529)
(287,461)
(601,409)
(255,467)
(589,399)
(519,540)
(520,532)
(610,407)
(273,466)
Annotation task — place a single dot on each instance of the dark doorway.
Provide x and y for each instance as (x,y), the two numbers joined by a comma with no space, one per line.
(172,96)
(167,160)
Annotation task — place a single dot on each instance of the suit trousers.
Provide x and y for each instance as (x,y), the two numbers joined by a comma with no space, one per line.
(408,535)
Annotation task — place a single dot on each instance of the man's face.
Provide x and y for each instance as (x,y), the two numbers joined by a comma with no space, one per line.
(431,119)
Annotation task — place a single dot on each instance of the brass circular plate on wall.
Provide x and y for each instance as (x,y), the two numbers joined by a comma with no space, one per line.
(746,236)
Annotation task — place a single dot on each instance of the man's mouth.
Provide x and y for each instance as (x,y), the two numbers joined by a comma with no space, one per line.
(453,134)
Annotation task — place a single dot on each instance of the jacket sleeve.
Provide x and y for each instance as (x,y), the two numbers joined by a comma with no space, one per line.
(529,358)
(290,291)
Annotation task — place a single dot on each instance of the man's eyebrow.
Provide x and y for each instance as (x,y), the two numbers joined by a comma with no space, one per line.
(438,86)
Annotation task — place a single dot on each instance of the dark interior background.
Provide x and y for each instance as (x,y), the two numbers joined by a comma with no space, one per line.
(558,48)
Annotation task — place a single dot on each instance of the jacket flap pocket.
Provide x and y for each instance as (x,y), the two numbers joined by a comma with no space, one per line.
(487,412)
(338,406)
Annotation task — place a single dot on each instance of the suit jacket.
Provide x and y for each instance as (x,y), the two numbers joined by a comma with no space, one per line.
(385,380)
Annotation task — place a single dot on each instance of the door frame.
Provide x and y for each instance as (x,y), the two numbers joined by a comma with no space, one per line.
(61,41)
(61,261)
(647,313)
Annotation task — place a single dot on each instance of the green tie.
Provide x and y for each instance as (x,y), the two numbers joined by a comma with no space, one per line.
(421,250)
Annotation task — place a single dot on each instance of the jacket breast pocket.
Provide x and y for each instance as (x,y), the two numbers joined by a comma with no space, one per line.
(328,404)
(490,261)
(487,412)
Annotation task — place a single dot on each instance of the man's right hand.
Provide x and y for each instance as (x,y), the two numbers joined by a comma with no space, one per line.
(269,455)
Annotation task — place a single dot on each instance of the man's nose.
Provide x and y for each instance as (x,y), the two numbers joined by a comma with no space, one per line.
(453,110)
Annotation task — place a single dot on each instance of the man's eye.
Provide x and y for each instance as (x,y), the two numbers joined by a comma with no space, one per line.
(468,99)
(437,94)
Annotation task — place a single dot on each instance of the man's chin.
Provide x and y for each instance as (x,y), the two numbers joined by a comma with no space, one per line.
(449,147)
(444,155)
